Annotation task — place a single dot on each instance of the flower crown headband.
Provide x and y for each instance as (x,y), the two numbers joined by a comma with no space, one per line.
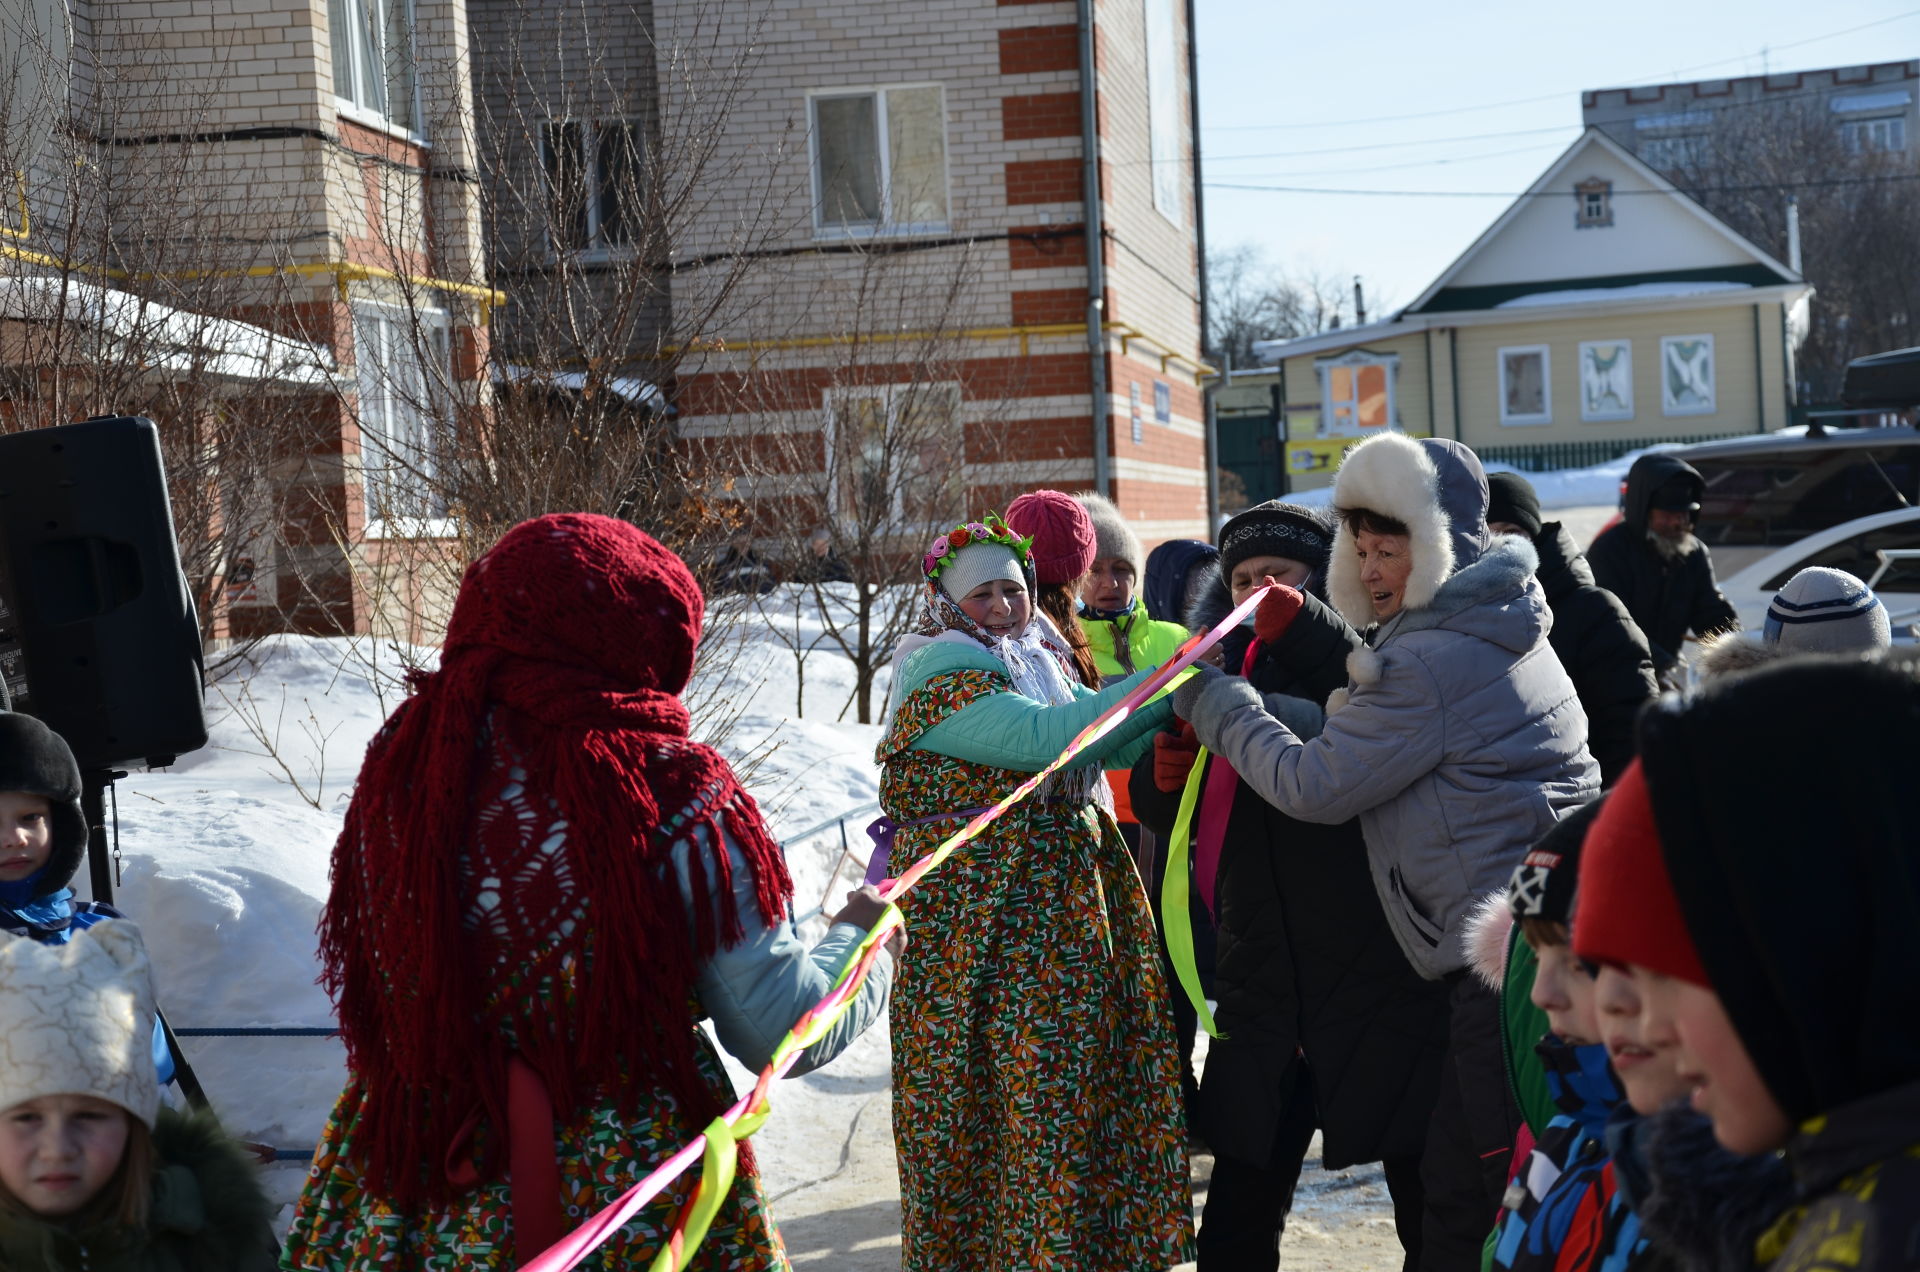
(993,530)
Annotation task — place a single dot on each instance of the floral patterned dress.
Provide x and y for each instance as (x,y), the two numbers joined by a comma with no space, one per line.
(1036,1094)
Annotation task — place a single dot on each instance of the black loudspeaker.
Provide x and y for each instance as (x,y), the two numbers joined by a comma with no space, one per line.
(98,635)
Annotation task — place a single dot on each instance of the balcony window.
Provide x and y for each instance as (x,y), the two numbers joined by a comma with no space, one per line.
(373,58)
(593,171)
(403,361)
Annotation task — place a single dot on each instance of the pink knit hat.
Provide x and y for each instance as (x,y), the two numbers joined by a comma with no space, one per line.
(1062,534)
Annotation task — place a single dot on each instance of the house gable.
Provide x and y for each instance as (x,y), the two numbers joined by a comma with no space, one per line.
(1640,231)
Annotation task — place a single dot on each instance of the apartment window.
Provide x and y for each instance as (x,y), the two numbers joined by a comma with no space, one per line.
(1526,385)
(403,360)
(1594,200)
(373,58)
(880,160)
(1675,154)
(1606,380)
(1165,144)
(895,456)
(593,181)
(1686,375)
(1875,136)
(1357,394)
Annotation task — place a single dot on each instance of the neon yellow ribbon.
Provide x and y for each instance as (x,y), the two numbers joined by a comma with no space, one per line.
(1176,919)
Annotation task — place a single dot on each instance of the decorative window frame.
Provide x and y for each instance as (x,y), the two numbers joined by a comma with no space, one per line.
(1356,358)
(1667,404)
(1600,417)
(1527,420)
(1592,204)
(884,227)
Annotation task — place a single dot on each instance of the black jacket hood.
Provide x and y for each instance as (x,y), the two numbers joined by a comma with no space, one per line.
(1650,472)
(1169,566)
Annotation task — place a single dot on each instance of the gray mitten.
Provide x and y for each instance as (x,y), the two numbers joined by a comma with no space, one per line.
(1193,686)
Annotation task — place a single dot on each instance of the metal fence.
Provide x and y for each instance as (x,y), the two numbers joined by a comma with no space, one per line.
(1545,457)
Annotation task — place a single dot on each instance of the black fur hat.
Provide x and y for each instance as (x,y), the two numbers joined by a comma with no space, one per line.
(35,759)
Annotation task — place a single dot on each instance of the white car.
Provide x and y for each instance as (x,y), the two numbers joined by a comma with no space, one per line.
(1882,550)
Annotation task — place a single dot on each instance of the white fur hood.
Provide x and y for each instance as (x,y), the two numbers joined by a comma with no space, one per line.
(1437,488)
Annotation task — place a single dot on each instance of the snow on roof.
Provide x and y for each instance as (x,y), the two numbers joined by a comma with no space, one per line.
(1636,291)
(638,392)
(165,338)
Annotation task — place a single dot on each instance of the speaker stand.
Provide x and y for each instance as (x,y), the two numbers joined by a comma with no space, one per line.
(93,805)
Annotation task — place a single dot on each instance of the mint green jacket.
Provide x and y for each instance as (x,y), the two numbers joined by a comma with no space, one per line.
(1011,731)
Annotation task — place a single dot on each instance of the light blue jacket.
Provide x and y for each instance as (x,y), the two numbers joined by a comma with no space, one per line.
(1014,732)
(755,990)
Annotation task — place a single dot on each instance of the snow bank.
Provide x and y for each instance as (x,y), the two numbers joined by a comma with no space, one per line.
(225,865)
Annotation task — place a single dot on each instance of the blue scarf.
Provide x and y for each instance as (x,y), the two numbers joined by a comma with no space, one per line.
(48,919)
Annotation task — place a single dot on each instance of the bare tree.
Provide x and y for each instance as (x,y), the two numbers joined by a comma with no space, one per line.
(1248,300)
(1859,220)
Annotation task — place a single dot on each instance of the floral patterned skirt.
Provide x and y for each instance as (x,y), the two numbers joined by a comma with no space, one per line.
(340,1226)
(1036,1093)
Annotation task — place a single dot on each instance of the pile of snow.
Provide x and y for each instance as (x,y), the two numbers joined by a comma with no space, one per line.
(225,862)
(1633,291)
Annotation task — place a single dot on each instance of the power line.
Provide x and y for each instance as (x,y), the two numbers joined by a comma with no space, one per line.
(1393,167)
(1563,194)
(1392,145)
(1544,97)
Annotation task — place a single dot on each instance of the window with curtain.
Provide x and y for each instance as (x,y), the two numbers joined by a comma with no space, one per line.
(895,455)
(880,160)
(373,58)
(403,360)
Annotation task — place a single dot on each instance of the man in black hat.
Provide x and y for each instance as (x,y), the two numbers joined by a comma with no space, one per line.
(1654,564)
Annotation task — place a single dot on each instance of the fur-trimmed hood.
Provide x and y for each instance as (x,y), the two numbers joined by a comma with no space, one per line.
(1496,598)
(1437,488)
(1489,923)
(1726,653)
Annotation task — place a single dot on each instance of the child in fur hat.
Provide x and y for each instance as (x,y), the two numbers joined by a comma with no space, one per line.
(95,1173)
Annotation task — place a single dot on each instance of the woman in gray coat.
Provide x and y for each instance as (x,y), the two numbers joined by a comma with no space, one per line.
(1458,742)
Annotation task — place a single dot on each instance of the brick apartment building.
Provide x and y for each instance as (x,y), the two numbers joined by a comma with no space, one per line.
(275,175)
(909,181)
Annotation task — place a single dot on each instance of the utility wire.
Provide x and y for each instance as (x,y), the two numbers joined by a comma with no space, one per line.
(1563,194)
(1544,97)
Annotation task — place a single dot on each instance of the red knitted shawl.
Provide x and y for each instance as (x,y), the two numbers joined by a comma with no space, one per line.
(572,639)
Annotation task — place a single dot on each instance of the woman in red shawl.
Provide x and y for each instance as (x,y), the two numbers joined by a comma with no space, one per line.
(541,887)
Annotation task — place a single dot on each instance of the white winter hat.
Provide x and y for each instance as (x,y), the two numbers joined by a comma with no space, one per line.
(978,563)
(1826,611)
(77,1019)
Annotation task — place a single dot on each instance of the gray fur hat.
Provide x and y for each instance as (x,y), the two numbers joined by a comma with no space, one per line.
(1111,535)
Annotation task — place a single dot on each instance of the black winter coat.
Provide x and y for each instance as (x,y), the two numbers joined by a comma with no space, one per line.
(1305,964)
(1603,649)
(1667,597)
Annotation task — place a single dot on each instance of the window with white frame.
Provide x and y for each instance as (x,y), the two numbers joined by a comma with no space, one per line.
(894,456)
(403,360)
(879,160)
(1687,375)
(1606,380)
(1875,136)
(1357,393)
(1165,143)
(593,181)
(1593,199)
(373,58)
(1526,385)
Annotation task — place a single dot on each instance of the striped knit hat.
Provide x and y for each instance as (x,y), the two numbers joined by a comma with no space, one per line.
(1824,611)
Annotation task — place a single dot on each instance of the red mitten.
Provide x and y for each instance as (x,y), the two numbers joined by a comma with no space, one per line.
(1276,613)
(1173,756)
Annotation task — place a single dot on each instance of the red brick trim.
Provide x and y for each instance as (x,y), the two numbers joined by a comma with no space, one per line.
(1026,50)
(1040,115)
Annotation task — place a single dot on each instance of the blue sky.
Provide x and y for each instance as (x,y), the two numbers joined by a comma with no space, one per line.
(1487,93)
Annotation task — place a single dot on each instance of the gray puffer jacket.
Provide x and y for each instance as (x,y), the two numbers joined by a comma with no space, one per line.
(1460,740)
